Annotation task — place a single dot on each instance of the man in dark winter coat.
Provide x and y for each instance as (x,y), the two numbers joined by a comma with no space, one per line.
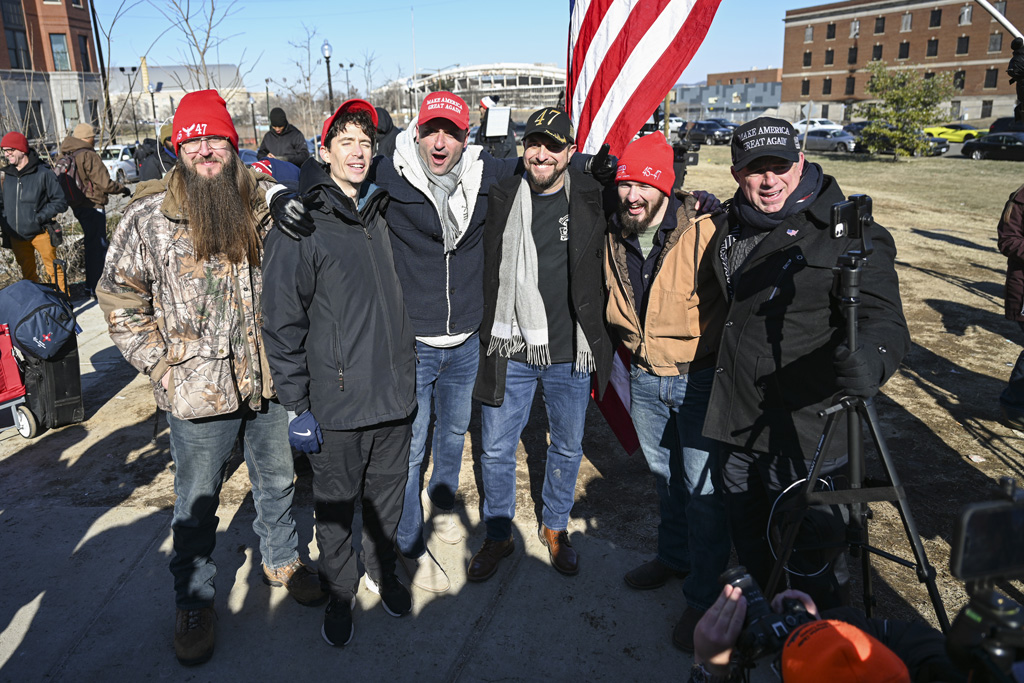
(387,131)
(283,140)
(342,354)
(543,323)
(500,146)
(29,201)
(783,357)
(1011,244)
(156,165)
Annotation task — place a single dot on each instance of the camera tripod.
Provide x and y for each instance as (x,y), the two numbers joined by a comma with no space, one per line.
(857,412)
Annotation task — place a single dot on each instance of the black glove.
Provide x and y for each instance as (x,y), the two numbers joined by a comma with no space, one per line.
(602,166)
(291,214)
(706,202)
(858,373)
(126,191)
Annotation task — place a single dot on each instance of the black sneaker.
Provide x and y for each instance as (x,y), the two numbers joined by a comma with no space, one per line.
(394,597)
(338,629)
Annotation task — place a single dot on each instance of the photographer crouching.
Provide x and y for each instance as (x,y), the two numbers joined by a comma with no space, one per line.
(783,356)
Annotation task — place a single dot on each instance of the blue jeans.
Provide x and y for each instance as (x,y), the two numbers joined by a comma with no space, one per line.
(668,413)
(444,377)
(566,394)
(201,450)
(94,230)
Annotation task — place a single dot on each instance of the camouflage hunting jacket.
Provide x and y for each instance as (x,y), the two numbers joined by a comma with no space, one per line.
(166,311)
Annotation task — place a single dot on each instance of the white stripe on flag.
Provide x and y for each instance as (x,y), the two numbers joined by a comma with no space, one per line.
(611,25)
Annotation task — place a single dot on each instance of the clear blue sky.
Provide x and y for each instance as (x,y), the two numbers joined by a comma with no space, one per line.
(745,33)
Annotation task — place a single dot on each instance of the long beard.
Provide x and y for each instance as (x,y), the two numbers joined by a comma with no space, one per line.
(638,226)
(220,217)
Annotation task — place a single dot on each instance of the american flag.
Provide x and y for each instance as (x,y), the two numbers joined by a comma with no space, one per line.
(624,56)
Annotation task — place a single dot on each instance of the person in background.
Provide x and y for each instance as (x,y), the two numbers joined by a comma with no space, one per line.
(162,160)
(500,146)
(387,132)
(283,140)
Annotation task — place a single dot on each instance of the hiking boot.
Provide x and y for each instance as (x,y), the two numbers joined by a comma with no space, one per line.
(653,574)
(338,629)
(485,562)
(394,597)
(302,584)
(194,635)
(425,573)
(682,634)
(444,523)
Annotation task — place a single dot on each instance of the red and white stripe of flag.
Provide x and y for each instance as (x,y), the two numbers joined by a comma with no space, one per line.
(624,57)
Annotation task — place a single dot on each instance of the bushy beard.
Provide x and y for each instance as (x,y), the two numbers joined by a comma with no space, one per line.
(632,225)
(220,218)
(542,185)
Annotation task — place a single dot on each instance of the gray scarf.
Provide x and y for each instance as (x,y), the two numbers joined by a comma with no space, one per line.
(442,187)
(520,320)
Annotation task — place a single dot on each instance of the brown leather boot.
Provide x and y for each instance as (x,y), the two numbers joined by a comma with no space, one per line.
(563,557)
(194,635)
(302,584)
(485,562)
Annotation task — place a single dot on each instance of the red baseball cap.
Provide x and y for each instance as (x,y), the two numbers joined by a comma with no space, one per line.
(345,107)
(444,105)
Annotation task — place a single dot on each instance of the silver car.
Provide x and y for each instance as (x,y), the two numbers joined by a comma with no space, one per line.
(826,140)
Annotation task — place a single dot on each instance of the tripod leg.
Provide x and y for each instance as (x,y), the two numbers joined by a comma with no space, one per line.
(925,571)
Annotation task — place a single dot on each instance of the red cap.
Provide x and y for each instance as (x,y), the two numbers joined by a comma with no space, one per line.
(344,107)
(200,114)
(649,161)
(444,105)
(838,652)
(15,140)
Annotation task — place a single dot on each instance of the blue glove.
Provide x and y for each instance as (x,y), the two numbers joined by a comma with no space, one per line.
(304,433)
(706,202)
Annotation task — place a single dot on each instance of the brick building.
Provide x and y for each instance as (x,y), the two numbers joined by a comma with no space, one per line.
(743,77)
(49,76)
(827,48)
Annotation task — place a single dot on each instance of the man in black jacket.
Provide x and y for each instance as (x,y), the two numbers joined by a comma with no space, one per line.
(543,323)
(156,165)
(341,351)
(500,146)
(283,140)
(783,356)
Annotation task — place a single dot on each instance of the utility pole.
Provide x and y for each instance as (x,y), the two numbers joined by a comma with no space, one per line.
(103,71)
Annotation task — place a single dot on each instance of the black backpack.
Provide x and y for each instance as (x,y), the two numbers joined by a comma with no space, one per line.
(40,318)
(69,178)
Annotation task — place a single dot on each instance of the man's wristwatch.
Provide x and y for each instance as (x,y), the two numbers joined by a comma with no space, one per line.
(699,674)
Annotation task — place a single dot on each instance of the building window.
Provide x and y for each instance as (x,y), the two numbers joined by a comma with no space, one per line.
(851,56)
(879,25)
(830,57)
(904,52)
(805,87)
(965,15)
(933,48)
(70,111)
(991,78)
(31,118)
(76,3)
(855,28)
(1000,7)
(809,34)
(17,49)
(876,53)
(83,53)
(94,112)
(906,21)
(954,109)
(851,84)
(986,108)
(807,58)
(928,75)
(962,44)
(59,47)
(959,79)
(935,20)
(995,42)
(830,32)
(826,87)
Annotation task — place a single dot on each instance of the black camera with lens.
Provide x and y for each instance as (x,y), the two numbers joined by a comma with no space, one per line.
(764,631)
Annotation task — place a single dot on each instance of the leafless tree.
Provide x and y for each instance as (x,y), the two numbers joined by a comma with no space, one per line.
(369,70)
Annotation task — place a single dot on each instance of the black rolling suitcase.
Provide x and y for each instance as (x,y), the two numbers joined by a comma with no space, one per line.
(54,387)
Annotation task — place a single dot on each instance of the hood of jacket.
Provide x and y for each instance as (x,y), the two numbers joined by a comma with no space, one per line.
(314,177)
(30,167)
(73,144)
(287,130)
(384,122)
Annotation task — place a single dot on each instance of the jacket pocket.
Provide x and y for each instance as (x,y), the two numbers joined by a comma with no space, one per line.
(202,379)
(339,358)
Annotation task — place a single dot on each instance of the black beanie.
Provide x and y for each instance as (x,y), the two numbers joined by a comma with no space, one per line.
(278,117)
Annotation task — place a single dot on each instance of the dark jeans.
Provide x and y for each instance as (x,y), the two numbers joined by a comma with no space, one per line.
(94,227)
(751,482)
(1012,398)
(368,465)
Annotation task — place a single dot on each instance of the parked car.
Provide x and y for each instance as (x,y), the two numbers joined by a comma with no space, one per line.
(120,163)
(708,132)
(675,123)
(856,128)
(825,140)
(996,146)
(934,147)
(807,125)
(1007,124)
(955,132)
(518,128)
(725,123)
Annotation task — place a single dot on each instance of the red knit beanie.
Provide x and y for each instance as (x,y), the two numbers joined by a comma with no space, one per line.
(15,140)
(649,161)
(201,114)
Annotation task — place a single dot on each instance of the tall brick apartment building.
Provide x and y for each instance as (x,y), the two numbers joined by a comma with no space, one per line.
(828,46)
(49,76)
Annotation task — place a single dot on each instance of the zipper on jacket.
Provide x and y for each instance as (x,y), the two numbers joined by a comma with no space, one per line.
(338,358)
(775,289)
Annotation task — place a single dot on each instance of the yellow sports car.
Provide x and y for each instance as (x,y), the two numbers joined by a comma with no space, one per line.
(956,132)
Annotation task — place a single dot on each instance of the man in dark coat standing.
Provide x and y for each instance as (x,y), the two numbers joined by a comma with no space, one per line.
(501,146)
(387,131)
(156,165)
(1011,245)
(783,357)
(283,140)
(543,324)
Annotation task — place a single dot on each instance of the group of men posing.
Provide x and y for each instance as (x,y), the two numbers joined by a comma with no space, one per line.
(400,289)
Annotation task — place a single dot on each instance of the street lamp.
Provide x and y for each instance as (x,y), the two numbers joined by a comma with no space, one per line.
(325,50)
(252,107)
(156,119)
(348,86)
(131,101)
(266,81)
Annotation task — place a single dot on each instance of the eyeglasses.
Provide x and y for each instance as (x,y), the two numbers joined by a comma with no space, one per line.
(192,146)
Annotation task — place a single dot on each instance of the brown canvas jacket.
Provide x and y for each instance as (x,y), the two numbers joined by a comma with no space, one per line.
(684,314)
(91,166)
(165,310)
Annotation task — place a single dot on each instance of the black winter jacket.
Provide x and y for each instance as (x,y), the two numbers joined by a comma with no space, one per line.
(500,147)
(775,362)
(587,225)
(387,131)
(337,335)
(31,198)
(157,164)
(288,145)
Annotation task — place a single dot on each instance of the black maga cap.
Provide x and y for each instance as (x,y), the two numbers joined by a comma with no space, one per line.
(764,137)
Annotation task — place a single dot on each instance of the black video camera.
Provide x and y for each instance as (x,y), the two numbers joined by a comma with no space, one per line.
(764,632)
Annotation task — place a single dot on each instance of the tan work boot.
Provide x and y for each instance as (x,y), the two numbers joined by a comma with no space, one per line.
(194,635)
(302,584)
(444,524)
(424,572)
